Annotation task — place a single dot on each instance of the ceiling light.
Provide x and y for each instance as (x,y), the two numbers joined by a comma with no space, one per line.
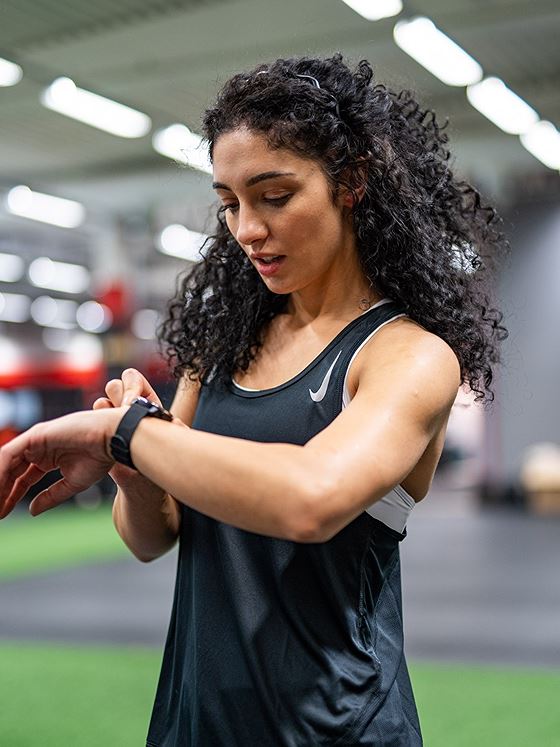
(54,312)
(83,352)
(94,317)
(376,10)
(80,350)
(502,106)
(144,323)
(12,356)
(180,144)
(12,268)
(10,73)
(543,141)
(60,276)
(64,96)
(57,211)
(424,42)
(57,340)
(179,241)
(14,307)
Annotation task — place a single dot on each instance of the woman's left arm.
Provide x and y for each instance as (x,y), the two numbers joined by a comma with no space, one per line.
(301,493)
(309,493)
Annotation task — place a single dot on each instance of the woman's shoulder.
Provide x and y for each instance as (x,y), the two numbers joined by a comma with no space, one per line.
(409,337)
(404,344)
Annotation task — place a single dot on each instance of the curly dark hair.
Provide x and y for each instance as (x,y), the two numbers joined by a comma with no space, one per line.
(424,238)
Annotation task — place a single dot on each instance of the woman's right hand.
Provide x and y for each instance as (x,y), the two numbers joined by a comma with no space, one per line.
(121,392)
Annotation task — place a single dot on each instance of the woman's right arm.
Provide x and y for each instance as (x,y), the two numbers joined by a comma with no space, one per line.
(146,517)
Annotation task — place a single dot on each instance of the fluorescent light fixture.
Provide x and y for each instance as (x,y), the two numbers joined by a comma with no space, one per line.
(64,96)
(57,211)
(12,268)
(179,241)
(144,323)
(60,276)
(12,356)
(502,106)
(94,317)
(180,144)
(54,312)
(80,350)
(84,352)
(57,340)
(14,307)
(542,140)
(10,73)
(374,11)
(423,41)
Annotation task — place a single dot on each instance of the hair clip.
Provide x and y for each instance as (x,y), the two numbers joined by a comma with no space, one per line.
(300,75)
(316,82)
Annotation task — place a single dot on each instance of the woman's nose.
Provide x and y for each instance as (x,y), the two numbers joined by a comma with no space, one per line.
(250,228)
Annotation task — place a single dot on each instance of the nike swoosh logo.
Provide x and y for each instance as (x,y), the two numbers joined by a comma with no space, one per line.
(320,393)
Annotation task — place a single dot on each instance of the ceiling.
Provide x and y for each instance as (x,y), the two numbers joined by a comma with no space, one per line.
(168,58)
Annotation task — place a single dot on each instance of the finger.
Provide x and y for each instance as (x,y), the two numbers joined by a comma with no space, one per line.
(13,463)
(121,472)
(22,484)
(114,390)
(102,402)
(52,496)
(135,385)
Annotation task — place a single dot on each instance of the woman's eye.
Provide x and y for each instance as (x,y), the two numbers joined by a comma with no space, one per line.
(277,201)
(233,207)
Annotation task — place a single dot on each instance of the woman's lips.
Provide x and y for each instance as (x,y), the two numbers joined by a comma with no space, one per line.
(269,268)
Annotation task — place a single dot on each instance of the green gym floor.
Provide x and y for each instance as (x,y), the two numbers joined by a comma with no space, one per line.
(69,678)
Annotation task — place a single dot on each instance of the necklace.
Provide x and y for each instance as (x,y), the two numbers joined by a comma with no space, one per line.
(365,304)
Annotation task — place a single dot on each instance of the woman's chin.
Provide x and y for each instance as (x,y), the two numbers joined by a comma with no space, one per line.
(276,285)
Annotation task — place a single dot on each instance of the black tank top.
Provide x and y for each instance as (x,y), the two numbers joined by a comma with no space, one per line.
(274,643)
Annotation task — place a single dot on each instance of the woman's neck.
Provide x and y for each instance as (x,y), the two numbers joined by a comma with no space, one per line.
(343,293)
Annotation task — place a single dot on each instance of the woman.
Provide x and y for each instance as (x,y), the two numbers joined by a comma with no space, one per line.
(319,347)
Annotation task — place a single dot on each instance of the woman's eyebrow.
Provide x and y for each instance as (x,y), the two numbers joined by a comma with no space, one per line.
(256,179)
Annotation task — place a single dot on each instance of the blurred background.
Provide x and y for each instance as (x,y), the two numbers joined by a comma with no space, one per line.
(105,197)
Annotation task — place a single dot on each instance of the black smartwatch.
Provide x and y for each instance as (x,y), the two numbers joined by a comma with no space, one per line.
(120,442)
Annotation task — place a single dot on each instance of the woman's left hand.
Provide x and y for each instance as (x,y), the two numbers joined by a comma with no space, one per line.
(77,444)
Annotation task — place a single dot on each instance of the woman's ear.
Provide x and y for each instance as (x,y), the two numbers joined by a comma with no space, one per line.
(351,197)
(360,192)
(357,177)
(362,173)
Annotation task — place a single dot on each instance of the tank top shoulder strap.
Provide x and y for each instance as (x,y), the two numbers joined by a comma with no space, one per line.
(362,329)
(298,409)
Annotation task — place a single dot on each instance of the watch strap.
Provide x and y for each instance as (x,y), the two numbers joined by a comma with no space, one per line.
(120,441)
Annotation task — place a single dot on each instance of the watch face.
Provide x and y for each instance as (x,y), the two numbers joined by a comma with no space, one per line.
(153,408)
(142,400)
(145,402)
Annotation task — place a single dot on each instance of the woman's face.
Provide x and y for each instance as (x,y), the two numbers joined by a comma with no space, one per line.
(279,204)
